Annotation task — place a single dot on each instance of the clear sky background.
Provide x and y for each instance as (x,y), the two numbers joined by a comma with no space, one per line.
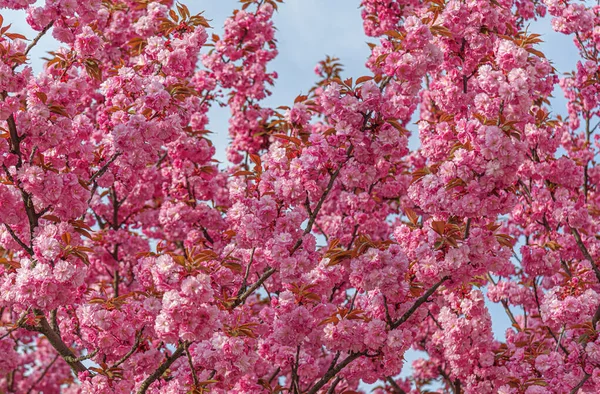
(308,30)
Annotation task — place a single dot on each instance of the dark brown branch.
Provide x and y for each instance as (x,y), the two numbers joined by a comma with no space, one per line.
(294,389)
(245,282)
(539,309)
(56,341)
(388,318)
(37,38)
(585,252)
(333,385)
(162,368)
(397,389)
(434,320)
(420,301)
(138,340)
(274,375)
(115,284)
(99,173)
(191,363)
(332,371)
(104,168)
(510,314)
(580,384)
(315,212)
(241,299)
(467,228)
(28,249)
(54,321)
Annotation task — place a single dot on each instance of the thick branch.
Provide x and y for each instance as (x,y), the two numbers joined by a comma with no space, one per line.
(58,344)
(418,303)
(397,389)
(467,228)
(161,369)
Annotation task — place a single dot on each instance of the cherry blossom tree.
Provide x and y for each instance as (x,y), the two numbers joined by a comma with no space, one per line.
(132,262)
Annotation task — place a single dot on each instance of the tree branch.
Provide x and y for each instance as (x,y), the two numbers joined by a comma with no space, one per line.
(333,385)
(241,299)
(332,371)
(44,372)
(580,384)
(245,282)
(28,249)
(418,303)
(99,173)
(138,339)
(585,252)
(37,38)
(161,369)
(56,341)
(190,362)
(397,389)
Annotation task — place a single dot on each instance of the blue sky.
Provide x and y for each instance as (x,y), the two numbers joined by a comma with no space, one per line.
(307,31)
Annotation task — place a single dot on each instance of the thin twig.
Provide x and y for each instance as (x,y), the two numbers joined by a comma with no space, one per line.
(138,340)
(191,363)
(83,358)
(434,320)
(104,168)
(241,299)
(245,282)
(18,325)
(537,302)
(510,315)
(44,372)
(37,38)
